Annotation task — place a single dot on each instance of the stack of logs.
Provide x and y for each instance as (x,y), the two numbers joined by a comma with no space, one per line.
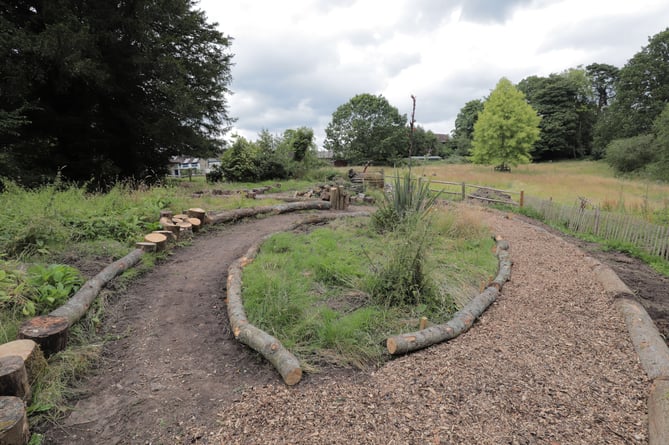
(174,228)
(20,362)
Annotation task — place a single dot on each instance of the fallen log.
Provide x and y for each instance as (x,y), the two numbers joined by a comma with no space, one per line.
(658,412)
(463,319)
(13,422)
(461,322)
(77,306)
(235,215)
(48,331)
(30,353)
(14,378)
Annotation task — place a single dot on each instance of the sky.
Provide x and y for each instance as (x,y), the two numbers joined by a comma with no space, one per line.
(296,61)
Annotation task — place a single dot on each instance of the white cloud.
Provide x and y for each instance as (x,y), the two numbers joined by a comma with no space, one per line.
(296,62)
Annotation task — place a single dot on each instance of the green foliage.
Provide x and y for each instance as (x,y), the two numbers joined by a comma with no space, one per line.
(603,78)
(660,169)
(52,285)
(642,91)
(464,126)
(367,128)
(506,129)
(109,90)
(409,198)
(631,154)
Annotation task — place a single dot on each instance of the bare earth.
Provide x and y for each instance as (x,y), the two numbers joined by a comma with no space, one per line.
(549,363)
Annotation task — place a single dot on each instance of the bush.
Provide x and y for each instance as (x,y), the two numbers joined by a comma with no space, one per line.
(407,198)
(631,154)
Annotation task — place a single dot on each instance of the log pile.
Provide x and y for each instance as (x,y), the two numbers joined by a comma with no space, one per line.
(463,319)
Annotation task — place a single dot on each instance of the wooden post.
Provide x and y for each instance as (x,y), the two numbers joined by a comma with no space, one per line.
(463,192)
(48,331)
(522,198)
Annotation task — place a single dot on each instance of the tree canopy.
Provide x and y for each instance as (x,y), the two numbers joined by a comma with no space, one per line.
(105,90)
(367,128)
(464,126)
(507,128)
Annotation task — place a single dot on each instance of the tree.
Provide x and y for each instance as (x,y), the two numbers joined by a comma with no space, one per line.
(367,128)
(464,126)
(425,143)
(108,90)
(506,129)
(603,78)
(565,103)
(661,133)
(642,91)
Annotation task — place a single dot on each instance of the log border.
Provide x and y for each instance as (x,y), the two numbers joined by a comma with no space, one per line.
(464,318)
(285,362)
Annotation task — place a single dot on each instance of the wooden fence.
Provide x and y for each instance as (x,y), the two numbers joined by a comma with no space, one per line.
(652,238)
(463,191)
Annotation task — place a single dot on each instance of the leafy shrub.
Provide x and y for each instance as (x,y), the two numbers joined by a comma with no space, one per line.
(52,285)
(215,175)
(631,154)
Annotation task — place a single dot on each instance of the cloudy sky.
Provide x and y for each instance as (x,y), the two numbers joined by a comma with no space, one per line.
(296,61)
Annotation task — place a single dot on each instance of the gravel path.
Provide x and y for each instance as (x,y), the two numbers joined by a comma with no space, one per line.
(549,363)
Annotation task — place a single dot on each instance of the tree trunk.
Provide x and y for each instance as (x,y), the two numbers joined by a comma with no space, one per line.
(30,353)
(13,422)
(14,378)
(234,215)
(76,307)
(48,331)
(463,319)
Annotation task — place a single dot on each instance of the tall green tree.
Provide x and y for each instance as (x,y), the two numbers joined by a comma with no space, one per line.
(464,126)
(507,128)
(603,78)
(565,103)
(106,90)
(425,142)
(642,91)
(367,128)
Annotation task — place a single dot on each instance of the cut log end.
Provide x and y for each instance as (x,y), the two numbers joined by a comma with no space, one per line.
(158,239)
(49,332)
(13,421)
(195,223)
(293,377)
(14,378)
(30,353)
(391,345)
(198,213)
(146,246)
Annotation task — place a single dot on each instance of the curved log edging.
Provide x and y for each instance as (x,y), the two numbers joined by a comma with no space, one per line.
(260,341)
(650,347)
(464,318)
(234,215)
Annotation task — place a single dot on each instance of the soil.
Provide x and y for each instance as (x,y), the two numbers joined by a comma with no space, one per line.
(549,363)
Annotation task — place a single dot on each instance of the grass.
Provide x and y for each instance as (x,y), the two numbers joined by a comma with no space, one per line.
(564,182)
(312,290)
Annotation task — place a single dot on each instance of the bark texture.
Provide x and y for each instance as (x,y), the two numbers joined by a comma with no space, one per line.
(14,378)
(13,422)
(234,215)
(658,413)
(30,353)
(76,307)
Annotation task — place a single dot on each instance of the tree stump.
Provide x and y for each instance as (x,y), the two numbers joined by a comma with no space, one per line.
(31,354)
(171,237)
(185,229)
(198,213)
(14,378)
(49,332)
(158,239)
(179,218)
(13,422)
(195,223)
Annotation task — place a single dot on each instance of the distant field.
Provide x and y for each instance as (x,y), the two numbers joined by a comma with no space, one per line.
(564,182)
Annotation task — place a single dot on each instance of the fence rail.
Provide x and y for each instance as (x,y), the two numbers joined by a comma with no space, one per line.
(652,238)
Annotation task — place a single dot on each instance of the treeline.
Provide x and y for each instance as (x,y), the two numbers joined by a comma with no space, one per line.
(600,111)
(101,90)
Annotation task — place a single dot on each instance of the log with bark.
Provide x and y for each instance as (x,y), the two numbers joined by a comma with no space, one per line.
(50,332)
(13,421)
(14,378)
(658,412)
(77,306)
(269,347)
(235,215)
(30,353)
(463,319)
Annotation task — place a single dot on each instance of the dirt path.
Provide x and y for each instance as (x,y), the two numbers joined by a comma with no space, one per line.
(549,363)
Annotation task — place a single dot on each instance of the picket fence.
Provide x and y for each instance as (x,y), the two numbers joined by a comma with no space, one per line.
(652,238)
